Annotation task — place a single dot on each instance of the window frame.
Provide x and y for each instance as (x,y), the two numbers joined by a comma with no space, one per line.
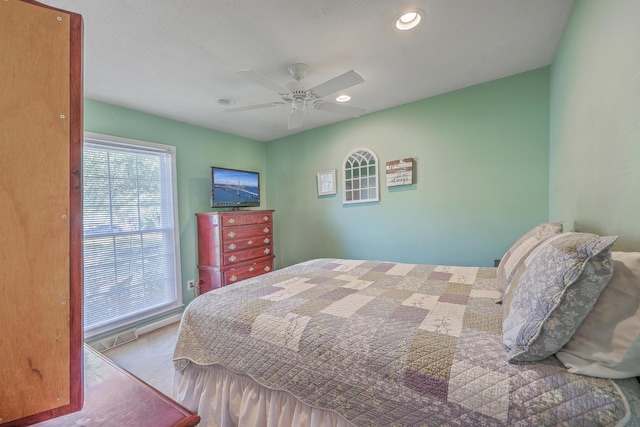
(163,310)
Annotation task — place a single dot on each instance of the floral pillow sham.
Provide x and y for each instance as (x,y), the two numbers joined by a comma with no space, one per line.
(551,293)
(516,255)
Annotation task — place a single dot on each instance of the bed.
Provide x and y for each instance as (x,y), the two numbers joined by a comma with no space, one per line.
(338,342)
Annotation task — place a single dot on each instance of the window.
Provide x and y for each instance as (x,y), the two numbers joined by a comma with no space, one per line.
(360,177)
(131,247)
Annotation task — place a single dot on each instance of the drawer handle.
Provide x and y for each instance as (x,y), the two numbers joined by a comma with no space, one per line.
(250,242)
(251,268)
(232,221)
(267,268)
(266,240)
(266,218)
(233,278)
(232,246)
(266,251)
(231,234)
(266,229)
(232,258)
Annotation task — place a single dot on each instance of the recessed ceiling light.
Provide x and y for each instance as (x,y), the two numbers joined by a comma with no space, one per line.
(343,98)
(226,101)
(408,20)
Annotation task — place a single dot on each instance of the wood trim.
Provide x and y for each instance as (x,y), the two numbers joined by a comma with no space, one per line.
(76,283)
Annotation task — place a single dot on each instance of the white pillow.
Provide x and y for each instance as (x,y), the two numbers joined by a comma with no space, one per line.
(607,343)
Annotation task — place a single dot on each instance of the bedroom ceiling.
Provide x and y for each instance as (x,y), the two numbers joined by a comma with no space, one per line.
(176,58)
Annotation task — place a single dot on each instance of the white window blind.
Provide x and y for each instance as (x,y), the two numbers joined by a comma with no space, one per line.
(131,256)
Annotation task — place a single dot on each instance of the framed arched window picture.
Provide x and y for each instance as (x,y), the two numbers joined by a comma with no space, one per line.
(360,177)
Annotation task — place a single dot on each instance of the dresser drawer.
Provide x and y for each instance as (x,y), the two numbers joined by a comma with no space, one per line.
(234,275)
(248,254)
(247,243)
(257,231)
(244,218)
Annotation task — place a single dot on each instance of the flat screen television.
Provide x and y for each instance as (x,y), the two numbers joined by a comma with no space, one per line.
(232,188)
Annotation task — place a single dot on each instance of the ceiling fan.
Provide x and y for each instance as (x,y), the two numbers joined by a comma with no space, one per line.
(301,98)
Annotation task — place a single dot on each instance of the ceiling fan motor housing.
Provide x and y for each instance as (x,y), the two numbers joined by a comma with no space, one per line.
(298,90)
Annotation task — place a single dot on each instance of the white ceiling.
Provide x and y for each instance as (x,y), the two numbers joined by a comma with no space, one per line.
(175,58)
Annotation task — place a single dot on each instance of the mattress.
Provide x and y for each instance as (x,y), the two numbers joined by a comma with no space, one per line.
(374,343)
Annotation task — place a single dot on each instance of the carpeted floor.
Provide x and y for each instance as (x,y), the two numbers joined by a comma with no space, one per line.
(149,357)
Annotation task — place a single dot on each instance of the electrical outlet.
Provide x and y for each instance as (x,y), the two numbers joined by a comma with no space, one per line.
(191,284)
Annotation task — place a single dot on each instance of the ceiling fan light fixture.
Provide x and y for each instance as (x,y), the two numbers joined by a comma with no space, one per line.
(408,20)
(343,98)
(298,104)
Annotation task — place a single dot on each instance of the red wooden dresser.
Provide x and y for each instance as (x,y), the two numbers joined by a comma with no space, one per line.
(232,246)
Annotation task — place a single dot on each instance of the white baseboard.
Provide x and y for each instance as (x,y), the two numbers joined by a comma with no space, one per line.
(129,335)
(159,324)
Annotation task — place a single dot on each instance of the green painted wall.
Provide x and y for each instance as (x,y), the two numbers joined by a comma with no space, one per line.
(595,121)
(196,150)
(482,175)
(482,178)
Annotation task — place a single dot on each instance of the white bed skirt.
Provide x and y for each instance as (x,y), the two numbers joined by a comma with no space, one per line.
(224,399)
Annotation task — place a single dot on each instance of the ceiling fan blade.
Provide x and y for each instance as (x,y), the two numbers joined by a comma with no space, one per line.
(264,81)
(254,107)
(339,109)
(343,81)
(296,118)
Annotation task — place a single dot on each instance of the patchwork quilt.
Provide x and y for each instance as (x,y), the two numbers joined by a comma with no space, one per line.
(390,344)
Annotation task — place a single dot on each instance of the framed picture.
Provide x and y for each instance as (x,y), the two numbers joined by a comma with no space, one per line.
(327,182)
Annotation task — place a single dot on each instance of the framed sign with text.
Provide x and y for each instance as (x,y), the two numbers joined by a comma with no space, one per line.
(400,172)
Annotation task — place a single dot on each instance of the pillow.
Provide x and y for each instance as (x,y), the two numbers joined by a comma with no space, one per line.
(552,292)
(607,343)
(514,257)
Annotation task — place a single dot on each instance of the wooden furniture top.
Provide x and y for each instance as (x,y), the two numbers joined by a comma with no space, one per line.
(114,397)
